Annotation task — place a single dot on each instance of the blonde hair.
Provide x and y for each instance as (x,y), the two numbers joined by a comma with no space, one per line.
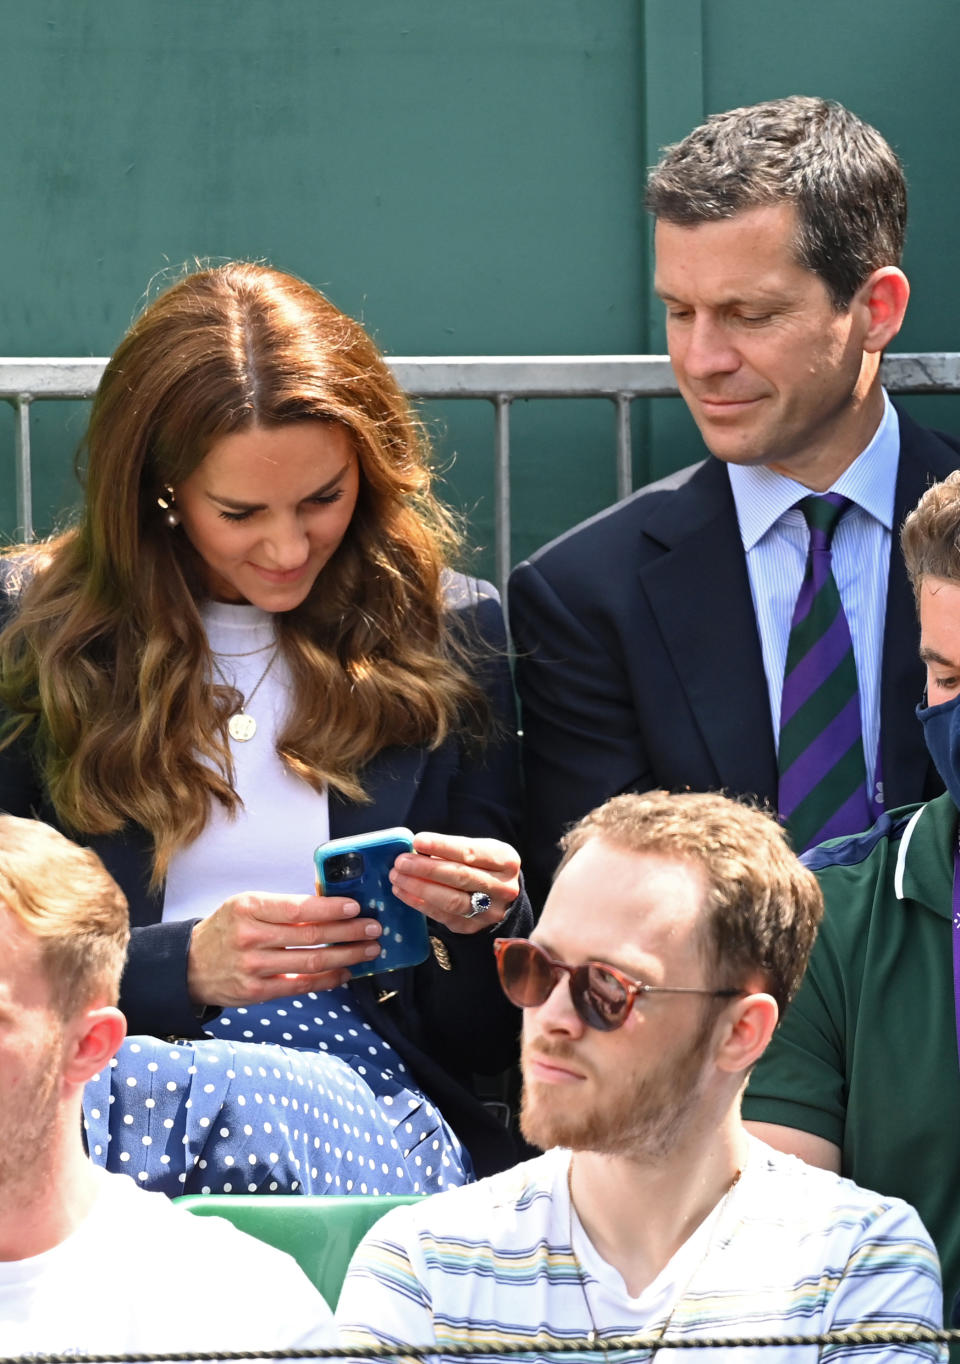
(763,906)
(106,664)
(930,538)
(62,896)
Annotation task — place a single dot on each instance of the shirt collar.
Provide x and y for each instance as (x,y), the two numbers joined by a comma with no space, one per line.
(762,496)
(924,868)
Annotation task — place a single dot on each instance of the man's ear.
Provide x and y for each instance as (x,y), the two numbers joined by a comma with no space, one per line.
(746,1029)
(883,296)
(91,1041)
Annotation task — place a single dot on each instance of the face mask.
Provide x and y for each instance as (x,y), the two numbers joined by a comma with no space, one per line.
(941,731)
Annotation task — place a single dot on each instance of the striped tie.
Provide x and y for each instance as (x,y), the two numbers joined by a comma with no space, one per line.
(822,772)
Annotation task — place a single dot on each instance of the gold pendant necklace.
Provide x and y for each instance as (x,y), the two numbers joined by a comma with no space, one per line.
(593,1335)
(242,726)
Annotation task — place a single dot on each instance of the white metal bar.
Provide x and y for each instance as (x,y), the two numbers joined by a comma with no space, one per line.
(21,454)
(534,376)
(50,377)
(488,376)
(624,452)
(501,494)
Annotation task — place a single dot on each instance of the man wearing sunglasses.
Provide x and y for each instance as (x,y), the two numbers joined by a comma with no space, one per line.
(675,934)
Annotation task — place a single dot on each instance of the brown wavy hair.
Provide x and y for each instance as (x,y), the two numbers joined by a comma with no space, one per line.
(106,664)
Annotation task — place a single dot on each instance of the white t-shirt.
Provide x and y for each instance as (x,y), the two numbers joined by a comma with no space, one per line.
(142,1275)
(793,1251)
(269,845)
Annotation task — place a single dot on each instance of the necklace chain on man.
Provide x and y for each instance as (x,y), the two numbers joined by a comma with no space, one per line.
(593,1335)
(243,726)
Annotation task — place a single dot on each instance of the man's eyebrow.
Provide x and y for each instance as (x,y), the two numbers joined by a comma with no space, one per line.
(757,298)
(233,505)
(928,655)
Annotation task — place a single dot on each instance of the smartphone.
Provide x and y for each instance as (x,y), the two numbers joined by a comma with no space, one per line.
(359,867)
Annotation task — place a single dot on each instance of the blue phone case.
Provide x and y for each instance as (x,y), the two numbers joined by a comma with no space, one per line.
(359,868)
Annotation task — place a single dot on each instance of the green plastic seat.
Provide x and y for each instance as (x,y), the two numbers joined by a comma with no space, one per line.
(320,1232)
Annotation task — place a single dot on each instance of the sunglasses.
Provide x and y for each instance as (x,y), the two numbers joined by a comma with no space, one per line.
(601,995)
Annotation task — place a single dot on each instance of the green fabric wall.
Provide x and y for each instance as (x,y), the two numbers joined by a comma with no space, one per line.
(467,178)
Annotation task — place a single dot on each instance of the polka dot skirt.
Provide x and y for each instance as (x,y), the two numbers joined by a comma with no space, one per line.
(299,1095)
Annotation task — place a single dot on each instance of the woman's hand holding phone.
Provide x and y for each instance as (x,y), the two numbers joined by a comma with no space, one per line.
(241,953)
(445,871)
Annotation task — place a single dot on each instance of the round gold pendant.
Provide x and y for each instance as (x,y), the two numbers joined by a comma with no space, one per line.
(242,726)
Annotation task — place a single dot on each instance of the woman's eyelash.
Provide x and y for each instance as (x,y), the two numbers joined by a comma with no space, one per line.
(325,500)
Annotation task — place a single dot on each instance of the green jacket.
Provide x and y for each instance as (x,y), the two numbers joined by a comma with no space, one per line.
(866,1055)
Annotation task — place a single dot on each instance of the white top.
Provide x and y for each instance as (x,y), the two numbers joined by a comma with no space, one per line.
(142,1275)
(793,1251)
(269,845)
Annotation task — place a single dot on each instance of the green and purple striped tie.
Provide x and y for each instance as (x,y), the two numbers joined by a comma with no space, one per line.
(823,789)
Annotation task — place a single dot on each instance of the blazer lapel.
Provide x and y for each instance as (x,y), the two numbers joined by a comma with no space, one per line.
(699,593)
(391,781)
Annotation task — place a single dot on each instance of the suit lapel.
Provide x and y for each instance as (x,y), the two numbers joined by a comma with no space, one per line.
(391,780)
(699,593)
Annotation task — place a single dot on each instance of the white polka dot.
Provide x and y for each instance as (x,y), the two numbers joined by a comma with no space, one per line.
(146,1141)
(132,1081)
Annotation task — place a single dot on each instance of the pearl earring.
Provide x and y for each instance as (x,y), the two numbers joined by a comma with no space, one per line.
(166,502)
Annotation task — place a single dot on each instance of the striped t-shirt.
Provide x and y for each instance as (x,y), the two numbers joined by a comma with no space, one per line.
(793,1251)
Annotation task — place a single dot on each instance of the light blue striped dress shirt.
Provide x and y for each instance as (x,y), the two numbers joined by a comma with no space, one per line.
(776,540)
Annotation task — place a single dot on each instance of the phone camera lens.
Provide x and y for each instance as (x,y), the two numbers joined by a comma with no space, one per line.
(343,867)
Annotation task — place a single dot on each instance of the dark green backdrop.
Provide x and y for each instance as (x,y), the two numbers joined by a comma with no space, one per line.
(467,178)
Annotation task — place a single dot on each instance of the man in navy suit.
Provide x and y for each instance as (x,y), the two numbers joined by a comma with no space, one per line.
(651,640)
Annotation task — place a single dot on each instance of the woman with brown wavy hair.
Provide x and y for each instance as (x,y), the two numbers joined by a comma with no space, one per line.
(251,642)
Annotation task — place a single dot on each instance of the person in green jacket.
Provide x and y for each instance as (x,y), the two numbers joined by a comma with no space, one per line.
(863,1075)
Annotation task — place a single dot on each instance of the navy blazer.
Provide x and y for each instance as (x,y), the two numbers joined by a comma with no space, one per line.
(639,662)
(448,1017)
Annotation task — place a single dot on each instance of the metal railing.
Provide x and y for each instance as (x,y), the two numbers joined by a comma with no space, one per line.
(500,379)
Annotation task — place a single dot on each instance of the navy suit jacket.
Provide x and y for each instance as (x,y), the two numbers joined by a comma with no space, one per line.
(639,662)
(448,1017)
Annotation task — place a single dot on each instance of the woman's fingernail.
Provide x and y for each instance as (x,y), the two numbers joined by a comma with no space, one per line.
(373,951)
(350,907)
(373,929)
